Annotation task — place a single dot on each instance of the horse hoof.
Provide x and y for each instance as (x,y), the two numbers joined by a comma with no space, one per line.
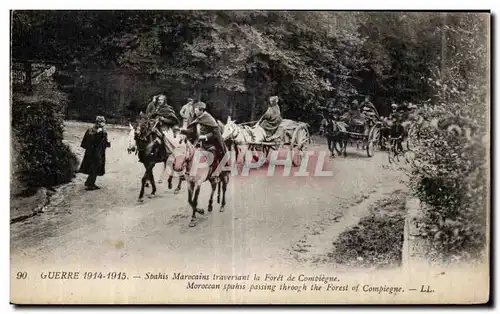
(160,181)
(140,200)
(210,208)
(200,211)
(192,223)
(222,209)
(151,196)
(170,186)
(176,191)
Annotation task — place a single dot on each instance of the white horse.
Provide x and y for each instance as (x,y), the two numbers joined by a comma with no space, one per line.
(242,135)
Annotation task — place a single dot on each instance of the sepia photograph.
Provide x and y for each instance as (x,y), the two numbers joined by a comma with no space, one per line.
(250,157)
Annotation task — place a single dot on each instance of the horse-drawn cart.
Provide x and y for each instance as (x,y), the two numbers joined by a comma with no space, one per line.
(294,134)
(368,132)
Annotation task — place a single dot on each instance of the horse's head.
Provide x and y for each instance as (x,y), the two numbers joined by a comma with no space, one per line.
(144,131)
(230,130)
(131,139)
(182,154)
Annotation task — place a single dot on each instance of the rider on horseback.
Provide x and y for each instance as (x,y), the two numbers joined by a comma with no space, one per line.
(209,132)
(158,108)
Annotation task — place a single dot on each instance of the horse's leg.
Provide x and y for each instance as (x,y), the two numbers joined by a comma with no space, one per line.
(193,193)
(224,181)
(213,183)
(330,145)
(191,186)
(152,180)
(344,149)
(178,188)
(163,172)
(169,181)
(218,191)
(195,199)
(143,184)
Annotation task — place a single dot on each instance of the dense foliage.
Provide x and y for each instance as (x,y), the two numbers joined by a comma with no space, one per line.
(234,60)
(450,171)
(43,160)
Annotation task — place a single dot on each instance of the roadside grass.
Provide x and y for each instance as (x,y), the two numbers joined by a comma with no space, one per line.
(377,240)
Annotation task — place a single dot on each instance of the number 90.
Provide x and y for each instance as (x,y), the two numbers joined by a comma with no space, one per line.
(22,275)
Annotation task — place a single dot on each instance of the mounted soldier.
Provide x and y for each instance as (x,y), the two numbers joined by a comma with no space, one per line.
(209,132)
(271,120)
(159,109)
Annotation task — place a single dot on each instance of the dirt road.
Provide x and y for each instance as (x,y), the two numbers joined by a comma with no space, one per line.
(273,220)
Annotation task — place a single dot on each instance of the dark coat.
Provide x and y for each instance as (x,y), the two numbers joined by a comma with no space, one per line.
(95,144)
(211,129)
(165,112)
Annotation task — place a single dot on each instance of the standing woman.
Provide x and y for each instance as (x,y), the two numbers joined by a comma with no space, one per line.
(95,141)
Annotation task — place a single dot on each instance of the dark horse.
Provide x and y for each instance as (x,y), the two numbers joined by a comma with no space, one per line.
(184,159)
(150,152)
(334,131)
(132,147)
(397,134)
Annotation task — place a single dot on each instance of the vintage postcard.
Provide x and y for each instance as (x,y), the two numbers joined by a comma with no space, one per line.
(250,157)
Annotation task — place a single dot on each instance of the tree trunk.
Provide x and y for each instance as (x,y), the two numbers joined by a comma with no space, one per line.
(252,108)
(443,46)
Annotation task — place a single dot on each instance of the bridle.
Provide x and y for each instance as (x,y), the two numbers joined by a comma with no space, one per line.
(145,130)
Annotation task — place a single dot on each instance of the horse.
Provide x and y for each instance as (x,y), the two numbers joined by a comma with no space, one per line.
(132,147)
(242,135)
(397,134)
(334,132)
(150,153)
(184,155)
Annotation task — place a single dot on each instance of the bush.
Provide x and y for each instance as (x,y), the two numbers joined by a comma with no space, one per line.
(43,158)
(449,176)
(450,170)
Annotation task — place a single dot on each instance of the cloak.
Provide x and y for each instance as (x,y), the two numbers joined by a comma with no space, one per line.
(95,144)
(271,120)
(165,111)
(210,128)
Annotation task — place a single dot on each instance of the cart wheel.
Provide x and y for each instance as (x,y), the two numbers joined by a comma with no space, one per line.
(298,144)
(373,137)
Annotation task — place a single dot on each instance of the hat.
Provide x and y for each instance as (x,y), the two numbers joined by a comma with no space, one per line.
(200,105)
(100,119)
(394,105)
